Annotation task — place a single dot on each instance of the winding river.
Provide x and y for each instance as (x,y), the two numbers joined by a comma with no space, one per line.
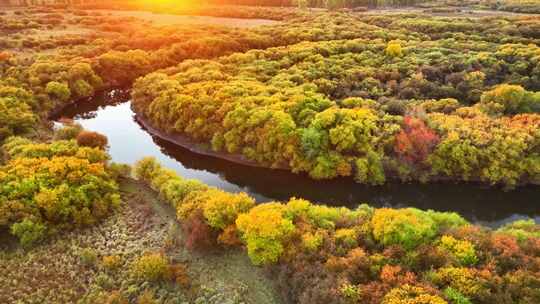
(111,115)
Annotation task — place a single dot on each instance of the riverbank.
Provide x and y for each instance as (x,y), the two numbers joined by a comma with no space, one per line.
(187,143)
(129,141)
(315,247)
(199,148)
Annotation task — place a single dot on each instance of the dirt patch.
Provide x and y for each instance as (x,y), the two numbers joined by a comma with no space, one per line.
(227,276)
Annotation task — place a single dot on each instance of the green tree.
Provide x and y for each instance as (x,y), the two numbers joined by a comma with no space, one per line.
(59,91)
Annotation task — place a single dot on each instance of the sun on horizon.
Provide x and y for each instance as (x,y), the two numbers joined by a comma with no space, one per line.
(169,3)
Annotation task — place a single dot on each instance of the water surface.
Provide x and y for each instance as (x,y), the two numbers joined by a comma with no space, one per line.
(112,116)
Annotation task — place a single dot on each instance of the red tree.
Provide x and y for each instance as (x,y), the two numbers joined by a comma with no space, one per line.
(415,140)
(198,235)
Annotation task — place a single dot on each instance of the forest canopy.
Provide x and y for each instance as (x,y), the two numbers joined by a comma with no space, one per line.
(407,103)
(443,92)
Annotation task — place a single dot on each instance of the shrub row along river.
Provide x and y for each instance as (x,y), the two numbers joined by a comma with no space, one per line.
(111,115)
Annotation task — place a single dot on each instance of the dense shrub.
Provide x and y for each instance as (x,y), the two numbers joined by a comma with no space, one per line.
(15,117)
(58,91)
(220,209)
(463,251)
(510,99)
(111,262)
(411,295)
(521,229)
(29,232)
(393,49)
(4,56)
(415,141)
(92,139)
(409,227)
(265,228)
(463,152)
(456,296)
(145,169)
(68,130)
(117,170)
(18,147)
(151,267)
(466,281)
(50,187)
(197,233)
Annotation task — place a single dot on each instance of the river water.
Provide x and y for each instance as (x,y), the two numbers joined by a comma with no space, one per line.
(112,116)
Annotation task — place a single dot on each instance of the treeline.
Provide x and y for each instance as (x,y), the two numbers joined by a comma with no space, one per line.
(170,4)
(331,4)
(322,254)
(527,6)
(517,6)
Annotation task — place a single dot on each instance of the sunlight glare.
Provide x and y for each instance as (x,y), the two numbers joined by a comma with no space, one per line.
(169,3)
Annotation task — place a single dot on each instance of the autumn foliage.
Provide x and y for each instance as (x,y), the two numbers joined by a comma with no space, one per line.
(4,56)
(415,141)
(337,255)
(329,94)
(198,234)
(369,109)
(92,139)
(51,187)
(326,94)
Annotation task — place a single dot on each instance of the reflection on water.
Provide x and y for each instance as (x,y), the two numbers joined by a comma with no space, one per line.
(111,115)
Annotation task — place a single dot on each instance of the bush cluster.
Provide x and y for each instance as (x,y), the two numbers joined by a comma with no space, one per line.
(366,255)
(48,187)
